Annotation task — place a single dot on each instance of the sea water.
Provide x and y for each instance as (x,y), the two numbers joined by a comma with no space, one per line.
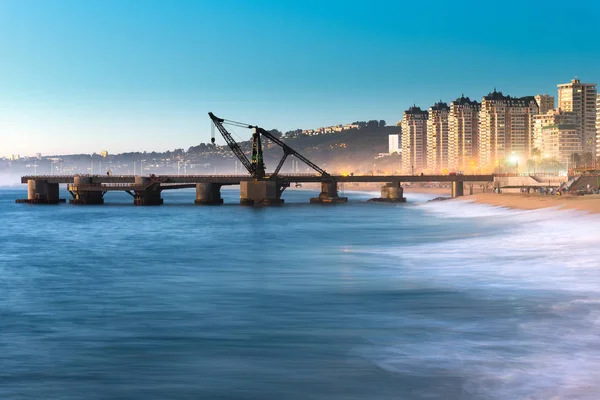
(423,300)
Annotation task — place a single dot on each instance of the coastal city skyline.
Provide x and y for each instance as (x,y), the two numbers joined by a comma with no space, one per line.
(501,130)
(338,126)
(123,76)
(491,135)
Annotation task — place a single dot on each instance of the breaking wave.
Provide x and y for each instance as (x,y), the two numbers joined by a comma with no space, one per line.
(518,312)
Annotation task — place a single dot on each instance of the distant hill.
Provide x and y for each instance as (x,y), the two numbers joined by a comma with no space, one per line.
(354,150)
(355,147)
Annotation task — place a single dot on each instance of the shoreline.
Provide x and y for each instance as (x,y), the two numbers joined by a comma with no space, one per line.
(516,201)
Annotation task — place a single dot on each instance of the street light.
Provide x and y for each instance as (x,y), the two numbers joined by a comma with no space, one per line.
(515,159)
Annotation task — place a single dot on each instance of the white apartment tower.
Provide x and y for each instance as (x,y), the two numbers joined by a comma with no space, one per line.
(597,125)
(581,99)
(505,128)
(394,143)
(541,121)
(414,140)
(556,135)
(437,137)
(545,103)
(463,134)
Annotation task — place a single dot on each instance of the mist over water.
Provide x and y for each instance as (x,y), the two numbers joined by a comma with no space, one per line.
(440,300)
(9,180)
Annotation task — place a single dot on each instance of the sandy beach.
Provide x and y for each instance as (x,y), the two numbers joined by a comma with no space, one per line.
(587,203)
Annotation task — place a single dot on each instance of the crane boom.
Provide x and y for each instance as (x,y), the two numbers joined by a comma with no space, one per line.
(287,151)
(237,150)
(256,167)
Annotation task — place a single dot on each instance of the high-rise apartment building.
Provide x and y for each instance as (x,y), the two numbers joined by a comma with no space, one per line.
(557,136)
(437,137)
(394,143)
(545,103)
(539,122)
(581,99)
(598,125)
(505,128)
(463,134)
(414,140)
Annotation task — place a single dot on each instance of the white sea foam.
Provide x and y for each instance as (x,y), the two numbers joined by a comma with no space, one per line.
(416,197)
(543,247)
(548,258)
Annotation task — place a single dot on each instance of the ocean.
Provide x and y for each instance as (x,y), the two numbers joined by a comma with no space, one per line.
(423,300)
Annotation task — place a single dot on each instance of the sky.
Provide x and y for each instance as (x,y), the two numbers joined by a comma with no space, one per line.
(141,75)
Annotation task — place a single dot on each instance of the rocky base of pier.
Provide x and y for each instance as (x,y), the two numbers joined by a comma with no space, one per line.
(328,200)
(208,202)
(263,202)
(86,201)
(441,199)
(388,200)
(40,201)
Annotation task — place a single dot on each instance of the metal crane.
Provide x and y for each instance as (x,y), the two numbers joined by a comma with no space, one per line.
(256,166)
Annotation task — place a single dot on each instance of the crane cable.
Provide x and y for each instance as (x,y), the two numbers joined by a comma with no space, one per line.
(232,123)
(238,124)
(212,132)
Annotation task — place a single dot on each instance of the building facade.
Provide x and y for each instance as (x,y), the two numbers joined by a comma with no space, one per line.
(545,103)
(597,125)
(581,99)
(539,123)
(505,128)
(437,138)
(414,141)
(557,135)
(394,143)
(463,134)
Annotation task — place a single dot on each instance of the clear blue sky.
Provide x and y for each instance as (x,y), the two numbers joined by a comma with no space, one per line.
(135,75)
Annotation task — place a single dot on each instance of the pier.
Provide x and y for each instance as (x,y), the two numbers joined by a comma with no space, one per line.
(146,190)
(259,187)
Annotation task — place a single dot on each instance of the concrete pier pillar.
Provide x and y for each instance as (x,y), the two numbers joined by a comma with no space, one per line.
(36,189)
(393,192)
(85,192)
(52,192)
(260,193)
(40,191)
(329,194)
(146,192)
(208,194)
(457,189)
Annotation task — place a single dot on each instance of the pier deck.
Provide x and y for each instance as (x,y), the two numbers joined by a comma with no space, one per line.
(237,179)
(90,189)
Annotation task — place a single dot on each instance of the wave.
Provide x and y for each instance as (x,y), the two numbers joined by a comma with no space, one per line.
(528,329)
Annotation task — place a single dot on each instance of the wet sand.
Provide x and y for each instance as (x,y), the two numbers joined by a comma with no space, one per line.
(587,203)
